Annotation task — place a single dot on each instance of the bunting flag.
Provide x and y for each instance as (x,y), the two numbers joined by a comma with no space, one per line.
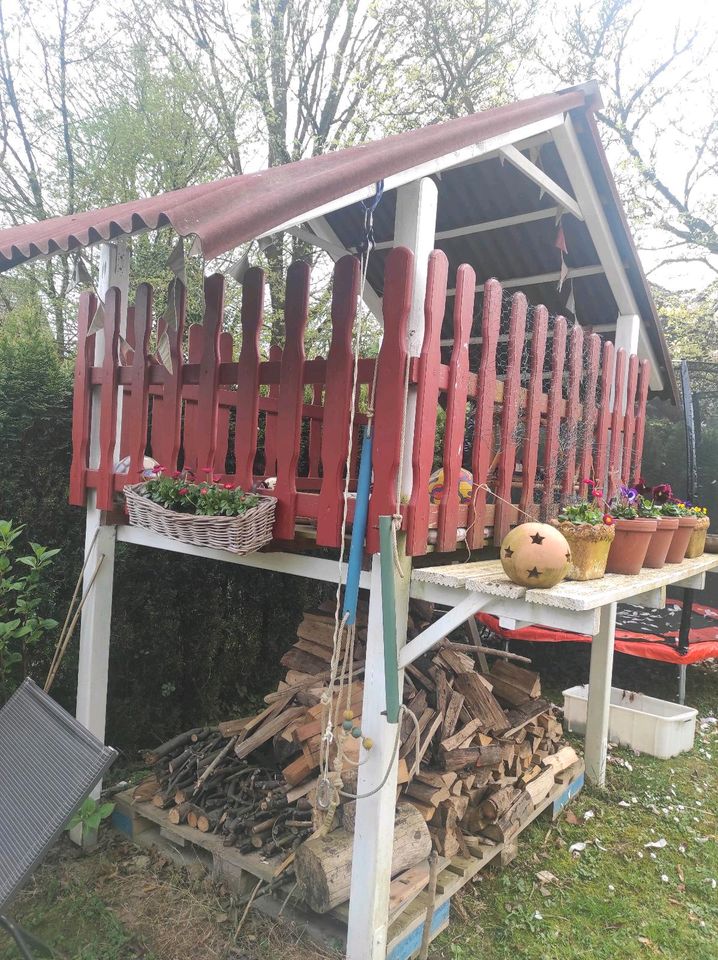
(98,321)
(238,269)
(83,277)
(164,354)
(176,261)
(560,244)
(126,352)
(571,301)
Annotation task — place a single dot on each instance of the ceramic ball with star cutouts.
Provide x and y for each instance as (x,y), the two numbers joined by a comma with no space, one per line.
(535,555)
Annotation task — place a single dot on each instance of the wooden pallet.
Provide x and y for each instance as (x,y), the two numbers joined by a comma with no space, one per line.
(409,901)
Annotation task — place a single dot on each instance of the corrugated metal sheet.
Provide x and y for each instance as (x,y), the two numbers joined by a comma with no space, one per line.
(228,212)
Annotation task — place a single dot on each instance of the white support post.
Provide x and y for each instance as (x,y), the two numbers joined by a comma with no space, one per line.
(96,613)
(374,830)
(599,696)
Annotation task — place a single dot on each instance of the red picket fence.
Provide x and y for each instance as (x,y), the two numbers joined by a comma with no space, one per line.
(289,417)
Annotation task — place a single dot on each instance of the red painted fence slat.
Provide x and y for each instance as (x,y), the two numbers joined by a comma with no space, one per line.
(456,407)
(291,398)
(553,418)
(108,401)
(389,400)
(82,399)
(509,418)
(484,417)
(314,445)
(643,384)
(614,450)
(125,359)
(589,413)
(629,424)
(246,425)
(207,389)
(575,371)
(534,394)
(226,346)
(166,427)
(427,402)
(335,438)
(270,423)
(190,439)
(604,416)
(135,407)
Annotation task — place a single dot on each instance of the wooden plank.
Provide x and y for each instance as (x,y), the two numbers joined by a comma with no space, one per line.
(534,397)
(291,397)
(456,408)
(190,434)
(267,731)
(105,483)
(135,407)
(553,418)
(226,345)
(82,399)
(615,444)
(427,401)
(509,418)
(270,426)
(337,402)
(207,410)
(166,427)
(484,417)
(246,425)
(389,402)
(589,413)
(575,375)
(643,384)
(629,425)
(604,413)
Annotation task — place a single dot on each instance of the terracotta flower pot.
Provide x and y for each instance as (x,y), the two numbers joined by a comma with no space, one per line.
(679,544)
(661,542)
(697,543)
(589,545)
(630,545)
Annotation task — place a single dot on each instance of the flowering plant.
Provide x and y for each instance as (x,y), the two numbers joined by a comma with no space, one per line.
(648,509)
(209,498)
(624,506)
(582,513)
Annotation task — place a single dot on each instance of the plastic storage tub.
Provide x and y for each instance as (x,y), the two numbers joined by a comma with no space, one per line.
(656,727)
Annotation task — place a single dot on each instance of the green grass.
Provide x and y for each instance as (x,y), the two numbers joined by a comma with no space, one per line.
(617,899)
(609,901)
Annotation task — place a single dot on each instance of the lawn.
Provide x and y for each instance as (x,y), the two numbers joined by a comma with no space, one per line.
(614,897)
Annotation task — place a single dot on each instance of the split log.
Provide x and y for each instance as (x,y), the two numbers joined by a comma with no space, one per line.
(527,680)
(323,864)
(481,702)
(512,820)
(561,760)
(498,803)
(539,787)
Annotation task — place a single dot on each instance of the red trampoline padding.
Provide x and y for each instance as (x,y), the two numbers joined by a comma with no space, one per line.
(645,643)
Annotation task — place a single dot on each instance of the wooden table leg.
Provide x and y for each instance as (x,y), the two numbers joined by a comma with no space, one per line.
(599,696)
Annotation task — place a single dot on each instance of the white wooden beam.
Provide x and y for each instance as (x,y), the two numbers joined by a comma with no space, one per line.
(442,627)
(447,161)
(295,564)
(599,696)
(573,273)
(541,179)
(574,162)
(94,652)
(326,234)
(550,213)
(368,926)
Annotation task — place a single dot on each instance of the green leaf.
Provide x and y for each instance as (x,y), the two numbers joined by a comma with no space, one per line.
(93,821)
(105,810)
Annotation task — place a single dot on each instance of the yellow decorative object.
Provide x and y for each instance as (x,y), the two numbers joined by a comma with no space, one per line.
(436,486)
(535,555)
(348,714)
(367,743)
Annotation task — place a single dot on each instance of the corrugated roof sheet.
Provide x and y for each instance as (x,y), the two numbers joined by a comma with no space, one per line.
(226,213)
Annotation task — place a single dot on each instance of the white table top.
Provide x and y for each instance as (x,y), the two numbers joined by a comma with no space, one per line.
(488,577)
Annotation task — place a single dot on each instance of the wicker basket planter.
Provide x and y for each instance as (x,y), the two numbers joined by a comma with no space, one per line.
(242,534)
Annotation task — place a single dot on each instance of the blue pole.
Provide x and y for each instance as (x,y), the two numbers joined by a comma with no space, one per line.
(356,550)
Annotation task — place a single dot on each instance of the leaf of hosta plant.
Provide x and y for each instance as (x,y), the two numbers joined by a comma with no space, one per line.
(105,809)
(93,821)
(75,821)
(88,806)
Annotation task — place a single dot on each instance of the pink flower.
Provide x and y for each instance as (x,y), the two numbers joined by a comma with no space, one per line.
(175,474)
(608,519)
(229,486)
(598,493)
(183,490)
(207,470)
(203,490)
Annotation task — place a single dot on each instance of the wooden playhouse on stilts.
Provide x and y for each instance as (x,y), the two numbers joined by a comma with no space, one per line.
(519,345)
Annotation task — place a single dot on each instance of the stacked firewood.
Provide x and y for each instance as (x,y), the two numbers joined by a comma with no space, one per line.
(483,751)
